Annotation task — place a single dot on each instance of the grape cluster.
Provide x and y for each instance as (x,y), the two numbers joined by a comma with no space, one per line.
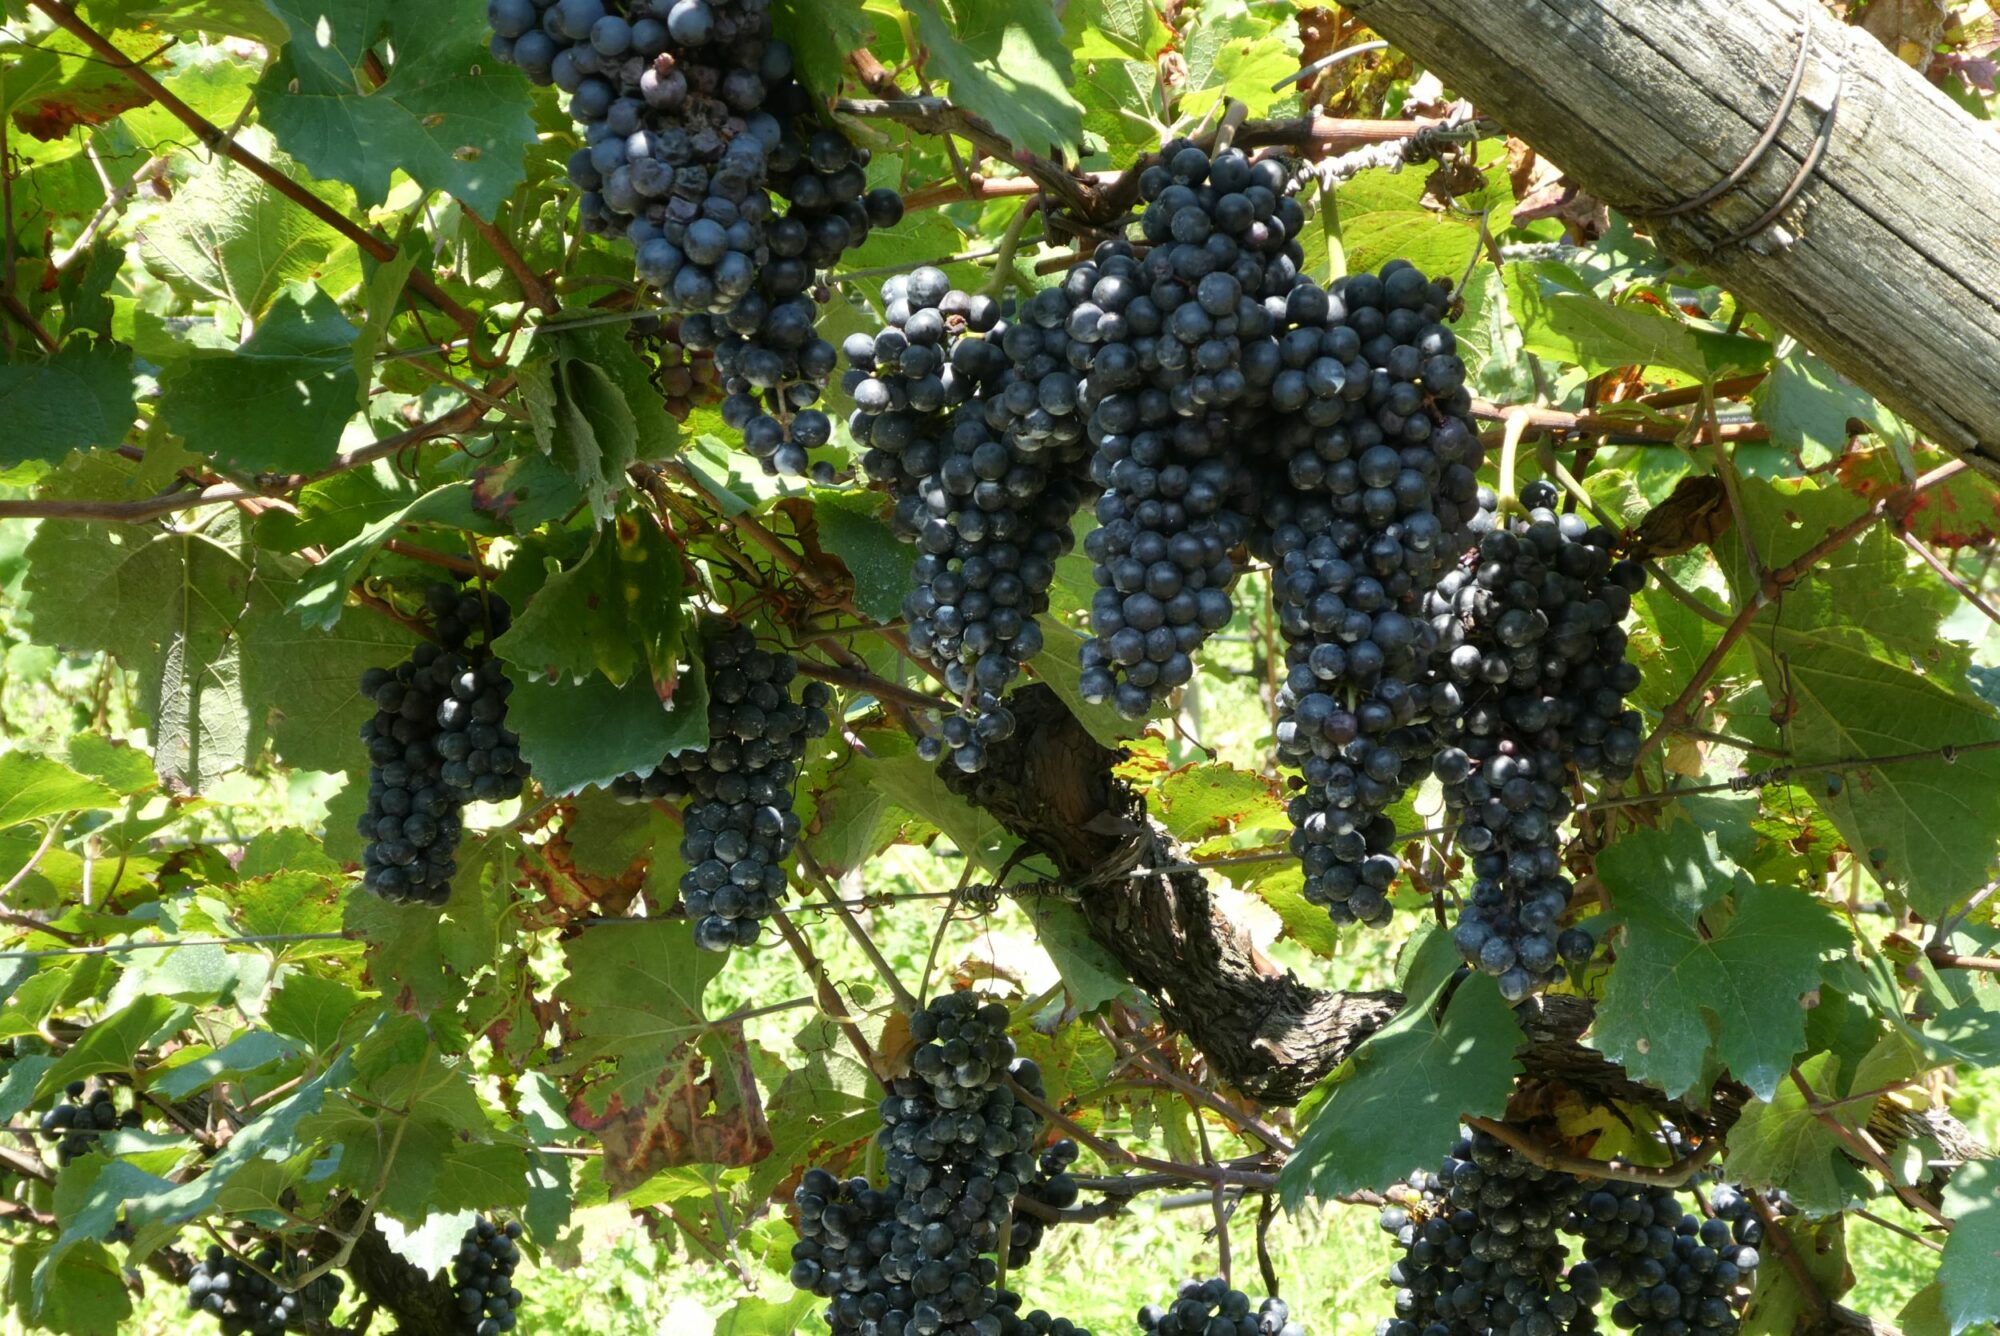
(1481,1249)
(249,1302)
(738,827)
(1379,461)
(913,1258)
(686,378)
(1211,1308)
(1053,1187)
(438,741)
(1672,1273)
(483,1276)
(86,1115)
(1186,360)
(950,407)
(692,121)
(1530,639)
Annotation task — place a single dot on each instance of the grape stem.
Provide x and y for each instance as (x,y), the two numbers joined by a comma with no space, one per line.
(1544,1157)
(1863,1147)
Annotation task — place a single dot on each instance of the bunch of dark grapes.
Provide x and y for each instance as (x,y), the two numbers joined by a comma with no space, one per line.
(483,1276)
(1530,639)
(1481,1251)
(1035,1322)
(1052,1187)
(248,1301)
(1379,458)
(692,120)
(913,1258)
(86,1115)
(686,378)
(1187,354)
(1671,1272)
(738,827)
(438,740)
(988,510)
(1211,1308)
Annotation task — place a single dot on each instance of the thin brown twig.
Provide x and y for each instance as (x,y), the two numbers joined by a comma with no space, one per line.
(1788,1252)
(534,287)
(1545,1157)
(1111,1150)
(829,997)
(1865,1150)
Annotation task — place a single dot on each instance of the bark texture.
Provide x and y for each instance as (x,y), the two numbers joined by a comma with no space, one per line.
(1888,262)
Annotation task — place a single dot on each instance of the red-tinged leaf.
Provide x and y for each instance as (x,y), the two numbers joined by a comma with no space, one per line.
(702,1109)
(1963,512)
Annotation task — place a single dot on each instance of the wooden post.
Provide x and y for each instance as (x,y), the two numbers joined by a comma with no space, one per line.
(1887,264)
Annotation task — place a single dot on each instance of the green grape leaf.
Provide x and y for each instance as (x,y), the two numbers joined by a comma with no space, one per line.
(313,1010)
(852,526)
(1007,64)
(665,1086)
(1092,974)
(230,235)
(821,33)
(77,400)
(110,1045)
(78,1291)
(1561,318)
(1837,655)
(178,1077)
(322,595)
(1969,1271)
(168,604)
(617,611)
(1779,1305)
(1781,1143)
(1807,405)
(449,114)
(765,1317)
(1232,52)
(34,786)
(577,734)
(1396,1103)
(278,403)
(1750,973)
(303,687)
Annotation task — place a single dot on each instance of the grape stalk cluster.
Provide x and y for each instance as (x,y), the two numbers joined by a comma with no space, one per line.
(439,740)
(738,827)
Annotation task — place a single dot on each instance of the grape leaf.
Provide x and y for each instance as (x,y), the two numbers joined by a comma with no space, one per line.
(821,33)
(1807,404)
(178,1077)
(109,1045)
(1561,318)
(1969,1271)
(1396,1102)
(302,688)
(1837,656)
(1006,63)
(1779,1305)
(576,734)
(763,1317)
(230,235)
(616,611)
(851,526)
(279,402)
(78,1291)
(677,1088)
(79,399)
(321,596)
(1749,973)
(448,113)
(168,604)
(1782,1143)
(33,786)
